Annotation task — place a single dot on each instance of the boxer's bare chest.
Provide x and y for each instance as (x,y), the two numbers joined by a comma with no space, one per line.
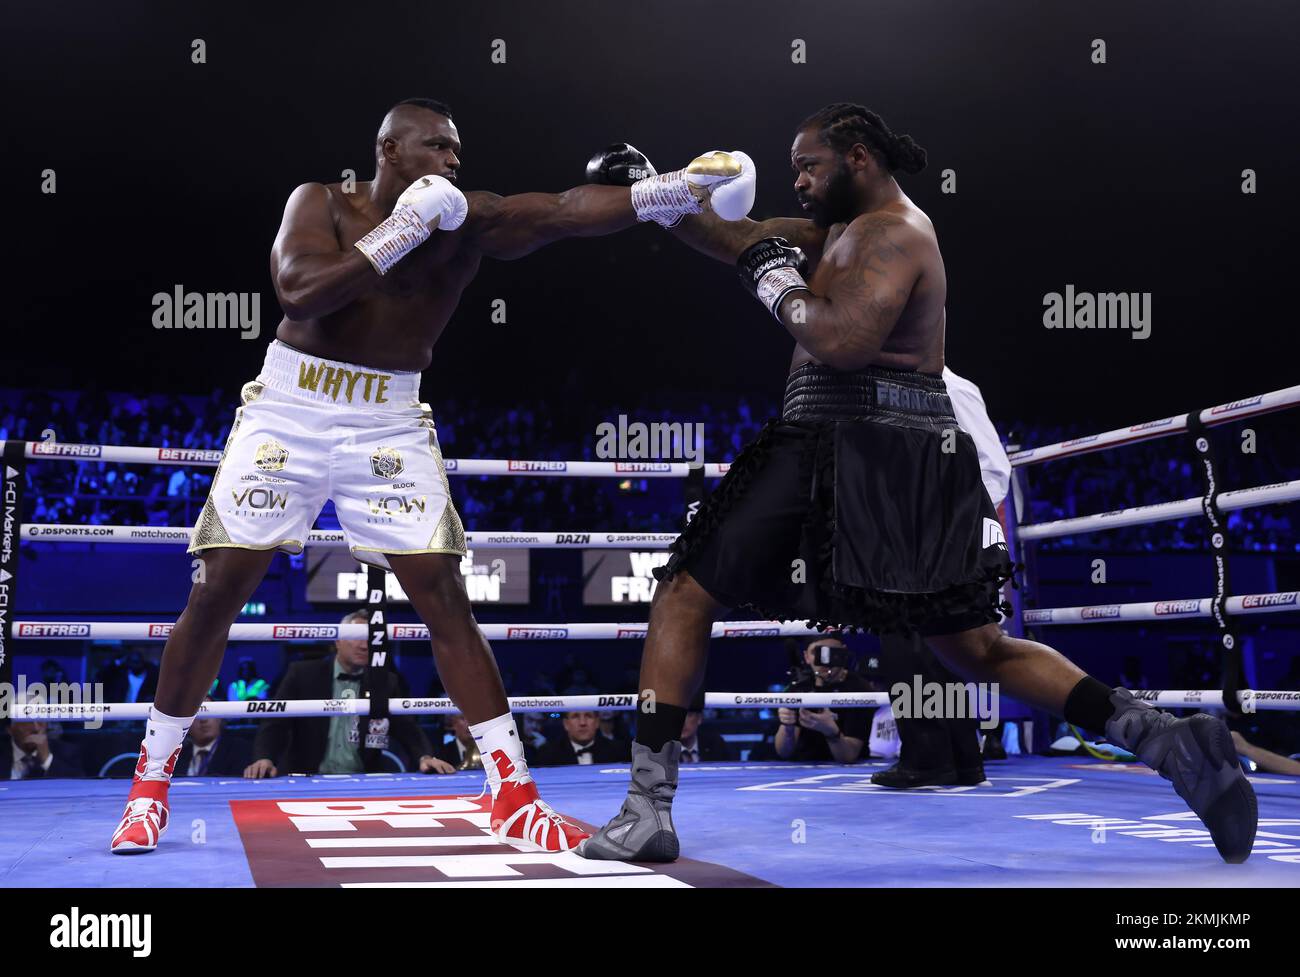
(428,280)
(396,323)
(915,342)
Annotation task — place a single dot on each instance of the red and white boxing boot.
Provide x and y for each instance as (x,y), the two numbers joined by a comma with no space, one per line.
(146,815)
(145,819)
(520,817)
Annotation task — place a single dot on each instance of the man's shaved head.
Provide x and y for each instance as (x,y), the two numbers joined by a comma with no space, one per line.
(418,138)
(405,113)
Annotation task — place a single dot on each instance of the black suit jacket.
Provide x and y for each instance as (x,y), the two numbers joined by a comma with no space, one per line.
(557,752)
(116,683)
(448,752)
(66,763)
(298,745)
(229,759)
(712,746)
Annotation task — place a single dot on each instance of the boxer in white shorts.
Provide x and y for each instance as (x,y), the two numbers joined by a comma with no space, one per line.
(368,278)
(312,429)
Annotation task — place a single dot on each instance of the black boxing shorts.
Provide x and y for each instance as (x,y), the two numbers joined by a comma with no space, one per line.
(862,507)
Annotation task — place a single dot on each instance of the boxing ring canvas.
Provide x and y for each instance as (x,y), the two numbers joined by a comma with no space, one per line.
(1037,821)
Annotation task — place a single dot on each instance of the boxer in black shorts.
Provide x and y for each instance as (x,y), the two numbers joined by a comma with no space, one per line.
(863,505)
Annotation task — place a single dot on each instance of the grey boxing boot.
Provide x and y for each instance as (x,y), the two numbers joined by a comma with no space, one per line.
(1195,754)
(643,830)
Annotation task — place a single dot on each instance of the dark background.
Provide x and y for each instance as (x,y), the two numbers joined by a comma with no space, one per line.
(1117,177)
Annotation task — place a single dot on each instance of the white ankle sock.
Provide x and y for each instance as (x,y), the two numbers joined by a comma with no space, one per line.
(499,735)
(162,737)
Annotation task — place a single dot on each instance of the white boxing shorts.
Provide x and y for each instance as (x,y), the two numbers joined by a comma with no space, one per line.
(311,429)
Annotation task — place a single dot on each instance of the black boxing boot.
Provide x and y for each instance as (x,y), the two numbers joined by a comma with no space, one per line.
(1196,754)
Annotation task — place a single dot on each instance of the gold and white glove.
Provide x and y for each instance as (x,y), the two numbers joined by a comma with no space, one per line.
(430,203)
(717,181)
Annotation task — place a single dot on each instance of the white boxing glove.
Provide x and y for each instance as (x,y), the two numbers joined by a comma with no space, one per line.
(430,203)
(437,200)
(732,199)
(722,182)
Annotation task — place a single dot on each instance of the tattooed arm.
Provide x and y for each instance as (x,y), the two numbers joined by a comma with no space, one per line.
(858,292)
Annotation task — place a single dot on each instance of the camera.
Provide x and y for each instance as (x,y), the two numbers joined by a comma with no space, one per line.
(830,656)
(823,656)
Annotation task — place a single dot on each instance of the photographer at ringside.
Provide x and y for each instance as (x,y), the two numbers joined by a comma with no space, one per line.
(824,734)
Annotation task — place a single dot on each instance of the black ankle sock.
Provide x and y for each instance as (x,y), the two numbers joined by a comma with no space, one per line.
(654,729)
(1088,705)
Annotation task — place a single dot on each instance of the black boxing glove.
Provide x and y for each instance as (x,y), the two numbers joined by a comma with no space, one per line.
(619,165)
(771,269)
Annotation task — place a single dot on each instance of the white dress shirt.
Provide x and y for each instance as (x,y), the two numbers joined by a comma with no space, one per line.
(134,682)
(193,769)
(973,416)
(583,758)
(691,754)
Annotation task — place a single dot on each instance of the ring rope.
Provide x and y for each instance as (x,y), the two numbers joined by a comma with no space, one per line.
(1275,494)
(262,631)
(1164,610)
(1250,700)
(1236,410)
(210,458)
(50,532)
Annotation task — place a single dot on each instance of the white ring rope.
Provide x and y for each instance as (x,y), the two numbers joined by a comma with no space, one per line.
(1275,494)
(1250,699)
(1223,414)
(1162,511)
(49,532)
(159,631)
(204,458)
(1163,610)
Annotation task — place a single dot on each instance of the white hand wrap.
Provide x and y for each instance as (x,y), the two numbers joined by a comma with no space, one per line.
(393,238)
(776,285)
(664,199)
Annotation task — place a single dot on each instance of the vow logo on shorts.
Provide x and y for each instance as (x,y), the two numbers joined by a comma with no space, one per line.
(179,309)
(92,931)
(260,498)
(398,505)
(1098,310)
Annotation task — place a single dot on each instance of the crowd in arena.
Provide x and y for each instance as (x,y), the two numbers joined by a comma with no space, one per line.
(105,493)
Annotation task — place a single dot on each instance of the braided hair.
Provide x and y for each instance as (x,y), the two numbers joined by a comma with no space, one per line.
(841,125)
